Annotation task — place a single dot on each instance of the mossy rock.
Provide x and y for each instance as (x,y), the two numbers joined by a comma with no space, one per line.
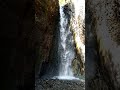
(63,2)
(76,68)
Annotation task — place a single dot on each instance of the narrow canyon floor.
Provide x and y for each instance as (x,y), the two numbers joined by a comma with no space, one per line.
(56,84)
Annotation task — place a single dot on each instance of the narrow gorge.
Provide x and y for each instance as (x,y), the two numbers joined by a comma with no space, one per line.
(60,44)
(66,60)
(88,56)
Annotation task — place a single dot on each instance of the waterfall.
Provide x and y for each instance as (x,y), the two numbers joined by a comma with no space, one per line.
(66,49)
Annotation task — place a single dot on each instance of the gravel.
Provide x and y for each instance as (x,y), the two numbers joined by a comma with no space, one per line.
(56,84)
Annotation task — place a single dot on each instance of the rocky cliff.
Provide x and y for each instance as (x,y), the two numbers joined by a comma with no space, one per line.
(46,23)
(26,36)
(103,23)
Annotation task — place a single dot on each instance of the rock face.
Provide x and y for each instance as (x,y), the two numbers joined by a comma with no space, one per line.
(77,26)
(46,23)
(104,16)
(25,42)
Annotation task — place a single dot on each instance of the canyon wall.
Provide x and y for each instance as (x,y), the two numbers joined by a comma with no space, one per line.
(46,24)
(102,21)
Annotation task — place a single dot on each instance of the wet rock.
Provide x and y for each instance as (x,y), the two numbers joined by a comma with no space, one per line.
(77,26)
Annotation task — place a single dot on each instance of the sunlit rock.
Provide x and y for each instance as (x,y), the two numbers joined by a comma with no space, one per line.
(78,29)
(63,2)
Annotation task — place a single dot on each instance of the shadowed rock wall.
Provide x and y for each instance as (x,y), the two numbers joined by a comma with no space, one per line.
(18,54)
(46,24)
(104,16)
(25,43)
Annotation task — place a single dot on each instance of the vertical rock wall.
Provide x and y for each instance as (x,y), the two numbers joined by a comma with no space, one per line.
(105,18)
(46,23)
(24,41)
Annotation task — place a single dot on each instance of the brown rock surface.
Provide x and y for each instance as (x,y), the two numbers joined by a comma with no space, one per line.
(46,23)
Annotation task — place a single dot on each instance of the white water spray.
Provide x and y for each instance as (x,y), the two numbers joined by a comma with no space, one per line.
(66,48)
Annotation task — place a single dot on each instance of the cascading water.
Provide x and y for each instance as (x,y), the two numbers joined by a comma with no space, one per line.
(66,49)
(66,43)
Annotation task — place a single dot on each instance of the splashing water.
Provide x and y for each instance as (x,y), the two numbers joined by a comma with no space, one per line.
(66,47)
